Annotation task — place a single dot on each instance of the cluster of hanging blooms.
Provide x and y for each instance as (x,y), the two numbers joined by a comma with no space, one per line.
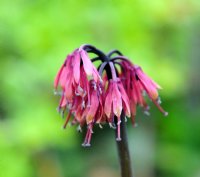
(98,96)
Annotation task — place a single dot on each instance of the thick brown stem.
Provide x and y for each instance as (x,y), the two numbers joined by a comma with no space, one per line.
(123,150)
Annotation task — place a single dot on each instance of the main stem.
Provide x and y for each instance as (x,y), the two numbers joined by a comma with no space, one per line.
(123,150)
(122,146)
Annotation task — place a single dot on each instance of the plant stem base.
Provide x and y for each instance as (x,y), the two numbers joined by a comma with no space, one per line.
(123,150)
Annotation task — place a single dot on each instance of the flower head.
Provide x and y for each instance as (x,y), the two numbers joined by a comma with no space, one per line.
(92,100)
(137,84)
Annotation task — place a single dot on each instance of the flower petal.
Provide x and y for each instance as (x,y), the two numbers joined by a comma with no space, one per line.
(125,99)
(93,108)
(108,101)
(57,79)
(76,68)
(149,85)
(117,100)
(87,64)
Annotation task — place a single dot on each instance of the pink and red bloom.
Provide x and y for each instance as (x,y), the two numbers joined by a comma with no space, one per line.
(93,96)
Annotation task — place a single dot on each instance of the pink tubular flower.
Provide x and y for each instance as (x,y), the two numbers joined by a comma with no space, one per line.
(116,100)
(79,94)
(136,83)
(92,100)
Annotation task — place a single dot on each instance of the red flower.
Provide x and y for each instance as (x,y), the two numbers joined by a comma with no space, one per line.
(116,100)
(91,100)
(81,95)
(137,83)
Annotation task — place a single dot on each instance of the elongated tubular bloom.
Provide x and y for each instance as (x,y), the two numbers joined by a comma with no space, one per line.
(136,83)
(93,96)
(116,100)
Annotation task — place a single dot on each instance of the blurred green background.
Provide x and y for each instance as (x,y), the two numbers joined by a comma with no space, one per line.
(163,36)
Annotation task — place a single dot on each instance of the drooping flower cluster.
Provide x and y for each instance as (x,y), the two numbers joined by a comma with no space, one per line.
(97,96)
